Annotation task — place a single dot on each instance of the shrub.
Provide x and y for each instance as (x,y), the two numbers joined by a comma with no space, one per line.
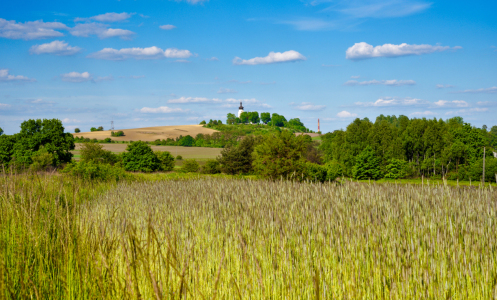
(42,159)
(179,157)
(186,141)
(6,148)
(367,165)
(476,170)
(212,166)
(76,130)
(333,170)
(238,159)
(203,123)
(281,155)
(117,133)
(107,140)
(95,171)
(190,165)
(166,160)
(94,152)
(93,129)
(140,157)
(315,172)
(396,169)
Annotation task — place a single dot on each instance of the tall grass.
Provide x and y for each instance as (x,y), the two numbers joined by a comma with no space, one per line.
(210,238)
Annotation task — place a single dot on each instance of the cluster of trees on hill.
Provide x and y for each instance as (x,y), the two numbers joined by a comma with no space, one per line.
(401,147)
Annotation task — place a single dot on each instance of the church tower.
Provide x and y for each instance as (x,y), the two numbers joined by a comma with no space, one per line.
(240,109)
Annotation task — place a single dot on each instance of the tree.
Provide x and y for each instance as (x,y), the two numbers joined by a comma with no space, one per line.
(244,117)
(231,119)
(100,128)
(396,169)
(94,152)
(140,157)
(76,130)
(281,155)
(254,117)
(93,129)
(1,131)
(367,165)
(278,120)
(6,148)
(48,133)
(190,166)
(42,159)
(211,166)
(166,160)
(187,141)
(203,122)
(265,117)
(238,159)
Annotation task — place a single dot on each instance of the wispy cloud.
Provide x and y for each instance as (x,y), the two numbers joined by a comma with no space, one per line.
(393,82)
(453,103)
(193,1)
(140,53)
(185,100)
(423,113)
(389,101)
(108,17)
(30,30)
(162,109)
(345,114)
(307,106)
(226,91)
(167,27)
(6,77)
(310,24)
(231,102)
(444,86)
(273,57)
(467,111)
(490,90)
(364,50)
(100,30)
(373,8)
(60,48)
(76,77)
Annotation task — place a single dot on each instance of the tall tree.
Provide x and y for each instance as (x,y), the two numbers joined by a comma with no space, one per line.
(265,117)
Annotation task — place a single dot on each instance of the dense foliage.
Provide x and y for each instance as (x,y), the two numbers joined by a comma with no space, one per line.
(45,135)
(117,133)
(238,159)
(140,157)
(400,147)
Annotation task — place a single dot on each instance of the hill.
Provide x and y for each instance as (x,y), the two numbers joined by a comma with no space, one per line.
(149,134)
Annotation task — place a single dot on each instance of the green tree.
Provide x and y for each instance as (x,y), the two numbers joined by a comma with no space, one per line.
(230,119)
(396,169)
(265,117)
(76,130)
(140,157)
(281,155)
(244,117)
(48,133)
(203,122)
(93,129)
(190,166)
(94,152)
(211,166)
(42,159)
(6,148)
(278,120)
(166,160)
(187,141)
(1,131)
(254,117)
(367,165)
(238,159)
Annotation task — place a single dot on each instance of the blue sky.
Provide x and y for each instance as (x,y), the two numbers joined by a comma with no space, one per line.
(155,63)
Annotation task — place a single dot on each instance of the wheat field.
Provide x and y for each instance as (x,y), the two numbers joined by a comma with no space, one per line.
(207,238)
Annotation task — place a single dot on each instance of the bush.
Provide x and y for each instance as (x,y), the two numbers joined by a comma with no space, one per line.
(476,170)
(100,128)
(179,157)
(117,133)
(42,159)
(333,170)
(76,130)
(186,141)
(396,169)
(203,123)
(94,152)
(238,159)
(6,148)
(190,165)
(281,155)
(166,160)
(367,165)
(315,172)
(212,166)
(95,171)
(140,157)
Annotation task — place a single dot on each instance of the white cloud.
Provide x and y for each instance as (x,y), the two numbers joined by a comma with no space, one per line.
(345,114)
(6,77)
(273,57)
(308,106)
(231,102)
(442,86)
(310,24)
(76,77)
(140,53)
(30,30)
(388,101)
(136,76)
(105,78)
(423,113)
(487,103)
(162,109)
(40,101)
(467,111)
(194,100)
(490,90)
(70,121)
(268,83)
(364,50)
(193,1)
(393,82)
(226,91)
(56,47)
(100,30)
(108,17)
(4,105)
(167,27)
(240,82)
(213,58)
(374,8)
(453,103)
(355,77)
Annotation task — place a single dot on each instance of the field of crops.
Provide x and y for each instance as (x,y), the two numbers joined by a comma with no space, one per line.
(206,237)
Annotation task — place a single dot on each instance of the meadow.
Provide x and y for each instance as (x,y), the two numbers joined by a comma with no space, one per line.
(207,237)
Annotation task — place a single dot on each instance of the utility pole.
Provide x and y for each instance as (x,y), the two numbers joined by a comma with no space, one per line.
(484,166)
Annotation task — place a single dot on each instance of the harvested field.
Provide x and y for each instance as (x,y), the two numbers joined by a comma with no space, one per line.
(186,152)
(313,135)
(149,134)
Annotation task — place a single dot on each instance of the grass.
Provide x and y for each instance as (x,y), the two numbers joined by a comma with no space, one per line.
(172,236)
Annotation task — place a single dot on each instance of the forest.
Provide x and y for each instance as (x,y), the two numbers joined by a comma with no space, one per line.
(399,147)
